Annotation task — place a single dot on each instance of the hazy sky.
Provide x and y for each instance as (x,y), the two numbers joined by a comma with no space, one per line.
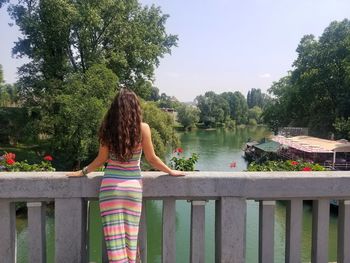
(224,45)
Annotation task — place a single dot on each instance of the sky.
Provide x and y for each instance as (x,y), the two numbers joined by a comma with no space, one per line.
(224,45)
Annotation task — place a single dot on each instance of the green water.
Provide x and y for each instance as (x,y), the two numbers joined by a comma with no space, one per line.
(217,149)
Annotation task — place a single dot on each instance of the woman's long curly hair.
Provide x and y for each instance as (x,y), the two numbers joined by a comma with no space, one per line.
(120,130)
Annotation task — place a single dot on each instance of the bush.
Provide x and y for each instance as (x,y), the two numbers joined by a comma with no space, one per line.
(182,163)
(8,163)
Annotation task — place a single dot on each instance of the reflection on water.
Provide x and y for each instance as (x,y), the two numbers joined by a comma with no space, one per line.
(217,149)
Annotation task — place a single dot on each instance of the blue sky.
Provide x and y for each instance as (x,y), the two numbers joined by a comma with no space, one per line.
(224,45)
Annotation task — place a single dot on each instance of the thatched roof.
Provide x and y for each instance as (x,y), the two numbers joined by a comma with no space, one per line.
(313,144)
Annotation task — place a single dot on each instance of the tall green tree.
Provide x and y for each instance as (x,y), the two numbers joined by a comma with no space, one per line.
(70,45)
(256,98)
(255,114)
(238,106)
(188,115)
(318,89)
(213,108)
(166,101)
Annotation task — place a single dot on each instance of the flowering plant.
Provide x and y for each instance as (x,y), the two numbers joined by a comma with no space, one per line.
(182,163)
(8,163)
(288,165)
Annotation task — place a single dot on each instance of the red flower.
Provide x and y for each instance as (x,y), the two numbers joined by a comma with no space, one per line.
(306,169)
(10,161)
(48,158)
(233,164)
(8,156)
(178,150)
(294,163)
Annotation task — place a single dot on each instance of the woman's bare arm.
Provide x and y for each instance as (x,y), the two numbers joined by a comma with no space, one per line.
(101,158)
(150,155)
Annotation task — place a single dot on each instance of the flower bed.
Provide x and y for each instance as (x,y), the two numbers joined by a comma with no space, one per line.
(288,165)
(8,163)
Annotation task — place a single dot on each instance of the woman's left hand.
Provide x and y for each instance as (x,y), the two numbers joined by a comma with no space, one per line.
(75,174)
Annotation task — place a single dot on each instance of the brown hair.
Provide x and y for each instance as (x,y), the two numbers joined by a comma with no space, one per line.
(121,127)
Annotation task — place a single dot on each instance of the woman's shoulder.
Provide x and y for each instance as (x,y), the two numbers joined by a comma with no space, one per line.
(145,130)
(144,126)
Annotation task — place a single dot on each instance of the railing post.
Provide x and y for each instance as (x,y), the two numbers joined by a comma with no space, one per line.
(36,232)
(169,227)
(294,220)
(344,231)
(197,244)
(266,231)
(230,230)
(320,227)
(70,230)
(7,232)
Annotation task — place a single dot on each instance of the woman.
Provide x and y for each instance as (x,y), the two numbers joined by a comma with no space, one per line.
(123,137)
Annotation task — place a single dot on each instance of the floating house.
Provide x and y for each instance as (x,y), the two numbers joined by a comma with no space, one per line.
(329,153)
(255,151)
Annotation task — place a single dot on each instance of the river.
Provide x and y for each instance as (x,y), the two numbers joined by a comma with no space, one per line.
(217,149)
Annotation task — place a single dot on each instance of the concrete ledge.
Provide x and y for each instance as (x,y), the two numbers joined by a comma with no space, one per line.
(211,185)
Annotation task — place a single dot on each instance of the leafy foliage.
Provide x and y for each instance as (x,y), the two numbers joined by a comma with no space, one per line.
(220,108)
(79,52)
(12,125)
(213,108)
(288,165)
(184,164)
(257,98)
(8,163)
(165,101)
(77,114)
(342,127)
(161,124)
(188,115)
(317,91)
(254,114)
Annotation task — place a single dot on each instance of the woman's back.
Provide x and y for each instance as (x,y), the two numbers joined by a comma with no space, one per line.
(124,169)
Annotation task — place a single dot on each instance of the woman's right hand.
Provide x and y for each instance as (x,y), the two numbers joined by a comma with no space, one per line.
(177,173)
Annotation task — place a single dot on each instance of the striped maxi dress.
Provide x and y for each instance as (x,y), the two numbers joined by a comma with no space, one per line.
(120,200)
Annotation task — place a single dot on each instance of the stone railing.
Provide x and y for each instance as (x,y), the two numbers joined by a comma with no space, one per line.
(230,190)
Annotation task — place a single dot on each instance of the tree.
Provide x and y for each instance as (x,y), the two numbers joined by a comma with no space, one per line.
(166,101)
(76,114)
(317,90)
(255,114)
(78,52)
(161,124)
(342,128)
(8,95)
(256,98)
(12,128)
(188,115)
(61,36)
(154,96)
(213,108)
(238,106)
